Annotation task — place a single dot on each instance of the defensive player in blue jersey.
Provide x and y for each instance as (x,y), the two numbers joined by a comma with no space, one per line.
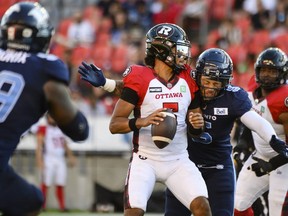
(31,82)
(222,104)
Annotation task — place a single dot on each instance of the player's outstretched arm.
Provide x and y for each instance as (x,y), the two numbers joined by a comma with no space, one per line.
(94,75)
(60,106)
(265,130)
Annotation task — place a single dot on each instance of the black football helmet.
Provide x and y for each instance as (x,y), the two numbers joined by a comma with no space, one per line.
(25,27)
(168,43)
(216,64)
(273,58)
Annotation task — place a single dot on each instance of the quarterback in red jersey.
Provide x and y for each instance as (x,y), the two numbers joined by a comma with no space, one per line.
(164,82)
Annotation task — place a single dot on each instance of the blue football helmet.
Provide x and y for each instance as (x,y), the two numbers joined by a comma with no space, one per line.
(216,64)
(25,26)
(168,43)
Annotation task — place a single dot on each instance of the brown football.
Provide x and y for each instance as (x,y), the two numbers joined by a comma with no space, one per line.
(164,133)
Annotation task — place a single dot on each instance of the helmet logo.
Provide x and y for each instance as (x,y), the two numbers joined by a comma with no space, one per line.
(165,31)
(268,62)
(286,102)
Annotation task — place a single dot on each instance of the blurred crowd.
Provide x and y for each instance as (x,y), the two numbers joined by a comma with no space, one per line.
(111,34)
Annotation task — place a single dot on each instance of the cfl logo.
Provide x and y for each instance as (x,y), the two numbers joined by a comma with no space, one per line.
(165,30)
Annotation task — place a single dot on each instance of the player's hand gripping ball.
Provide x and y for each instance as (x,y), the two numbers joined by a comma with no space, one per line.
(164,132)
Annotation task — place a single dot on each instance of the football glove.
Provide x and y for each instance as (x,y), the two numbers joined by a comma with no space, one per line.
(92,74)
(262,167)
(279,146)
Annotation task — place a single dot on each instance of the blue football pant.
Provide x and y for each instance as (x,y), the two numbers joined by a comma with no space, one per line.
(17,196)
(221,186)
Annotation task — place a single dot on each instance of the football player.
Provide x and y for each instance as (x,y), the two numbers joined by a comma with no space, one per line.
(265,169)
(52,149)
(222,104)
(164,82)
(32,82)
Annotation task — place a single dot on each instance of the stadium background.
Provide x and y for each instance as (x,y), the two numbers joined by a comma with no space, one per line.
(113,40)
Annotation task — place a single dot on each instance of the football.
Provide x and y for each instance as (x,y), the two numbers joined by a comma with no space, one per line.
(164,133)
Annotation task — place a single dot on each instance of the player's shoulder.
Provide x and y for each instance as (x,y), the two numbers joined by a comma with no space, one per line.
(279,96)
(53,66)
(236,94)
(137,73)
(135,70)
(236,91)
(187,72)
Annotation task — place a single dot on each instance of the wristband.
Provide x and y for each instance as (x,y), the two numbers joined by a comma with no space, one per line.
(194,132)
(110,85)
(132,124)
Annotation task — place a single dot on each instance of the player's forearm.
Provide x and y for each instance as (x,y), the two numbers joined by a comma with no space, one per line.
(118,87)
(259,125)
(278,161)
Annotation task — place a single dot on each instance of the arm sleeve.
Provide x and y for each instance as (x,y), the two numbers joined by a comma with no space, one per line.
(258,124)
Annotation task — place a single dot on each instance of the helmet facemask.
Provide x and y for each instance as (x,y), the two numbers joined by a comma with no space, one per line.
(174,55)
(213,65)
(212,73)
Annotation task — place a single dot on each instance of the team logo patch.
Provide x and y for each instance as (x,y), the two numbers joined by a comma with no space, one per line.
(165,31)
(286,101)
(220,111)
(183,88)
(155,89)
(126,72)
(262,109)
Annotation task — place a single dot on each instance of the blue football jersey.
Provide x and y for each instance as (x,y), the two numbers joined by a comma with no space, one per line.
(22,99)
(214,145)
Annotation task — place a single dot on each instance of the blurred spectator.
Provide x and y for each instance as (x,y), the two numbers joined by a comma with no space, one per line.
(105,6)
(120,26)
(229,34)
(252,8)
(139,13)
(167,11)
(219,10)
(81,31)
(193,19)
(262,19)
(280,19)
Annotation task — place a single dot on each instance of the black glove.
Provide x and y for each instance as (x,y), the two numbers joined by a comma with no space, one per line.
(262,167)
(279,146)
(92,74)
